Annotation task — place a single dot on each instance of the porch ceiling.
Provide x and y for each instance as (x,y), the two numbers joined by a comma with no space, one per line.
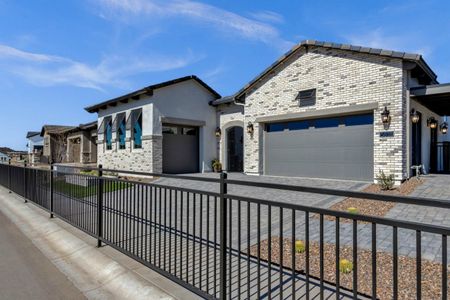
(435,97)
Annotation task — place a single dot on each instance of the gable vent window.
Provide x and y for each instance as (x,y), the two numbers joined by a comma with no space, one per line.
(306,97)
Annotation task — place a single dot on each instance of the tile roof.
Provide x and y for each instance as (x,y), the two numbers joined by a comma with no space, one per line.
(149,90)
(375,51)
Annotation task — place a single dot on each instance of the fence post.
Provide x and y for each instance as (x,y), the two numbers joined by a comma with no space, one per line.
(9,175)
(25,180)
(100,206)
(51,191)
(223,236)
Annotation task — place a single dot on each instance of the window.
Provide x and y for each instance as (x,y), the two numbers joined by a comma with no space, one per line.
(306,97)
(359,120)
(325,123)
(108,132)
(300,125)
(137,132)
(121,130)
(189,131)
(275,127)
(170,130)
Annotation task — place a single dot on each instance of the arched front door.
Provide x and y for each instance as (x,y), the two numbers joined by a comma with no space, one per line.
(235,149)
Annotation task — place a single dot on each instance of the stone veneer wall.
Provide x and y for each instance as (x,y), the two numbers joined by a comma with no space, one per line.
(342,78)
(147,159)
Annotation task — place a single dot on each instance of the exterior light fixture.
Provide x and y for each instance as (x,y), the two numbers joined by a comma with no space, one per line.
(444,128)
(432,123)
(415,117)
(385,116)
(250,128)
(218,132)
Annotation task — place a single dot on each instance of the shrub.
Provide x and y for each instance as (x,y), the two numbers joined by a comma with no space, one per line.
(386,182)
(216,165)
(352,210)
(299,247)
(345,266)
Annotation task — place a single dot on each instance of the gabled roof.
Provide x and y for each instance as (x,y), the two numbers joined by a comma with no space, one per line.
(32,133)
(417,58)
(87,126)
(55,129)
(148,91)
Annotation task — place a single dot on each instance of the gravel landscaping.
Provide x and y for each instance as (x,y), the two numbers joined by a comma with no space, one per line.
(373,207)
(431,271)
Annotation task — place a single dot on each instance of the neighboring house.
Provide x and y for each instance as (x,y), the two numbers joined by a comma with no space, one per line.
(167,127)
(35,146)
(55,143)
(318,112)
(17,157)
(4,158)
(323,110)
(82,145)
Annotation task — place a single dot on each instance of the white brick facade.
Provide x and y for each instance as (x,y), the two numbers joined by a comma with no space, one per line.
(342,78)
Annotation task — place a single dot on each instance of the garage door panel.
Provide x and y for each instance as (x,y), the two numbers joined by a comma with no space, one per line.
(180,153)
(337,152)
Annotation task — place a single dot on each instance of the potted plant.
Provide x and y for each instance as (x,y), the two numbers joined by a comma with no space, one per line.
(216,165)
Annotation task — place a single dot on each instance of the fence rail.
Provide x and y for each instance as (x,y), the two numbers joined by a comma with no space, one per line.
(226,246)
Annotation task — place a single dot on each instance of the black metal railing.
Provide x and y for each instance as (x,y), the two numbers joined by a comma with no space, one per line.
(221,245)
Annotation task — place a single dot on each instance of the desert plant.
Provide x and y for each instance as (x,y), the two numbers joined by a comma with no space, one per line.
(352,210)
(345,266)
(216,165)
(299,247)
(386,182)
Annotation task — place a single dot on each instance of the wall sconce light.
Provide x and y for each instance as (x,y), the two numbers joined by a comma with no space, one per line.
(218,132)
(250,128)
(432,123)
(385,116)
(415,117)
(444,128)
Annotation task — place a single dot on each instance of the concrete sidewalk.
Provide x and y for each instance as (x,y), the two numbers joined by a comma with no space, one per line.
(25,273)
(97,273)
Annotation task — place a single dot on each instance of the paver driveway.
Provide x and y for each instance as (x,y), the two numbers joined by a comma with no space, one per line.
(435,186)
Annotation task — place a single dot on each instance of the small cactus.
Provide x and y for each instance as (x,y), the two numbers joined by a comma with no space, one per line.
(352,210)
(299,247)
(345,266)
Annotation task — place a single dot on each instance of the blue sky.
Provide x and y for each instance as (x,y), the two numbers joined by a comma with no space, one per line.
(57,57)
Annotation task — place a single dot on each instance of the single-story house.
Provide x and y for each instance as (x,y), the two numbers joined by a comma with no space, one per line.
(35,145)
(323,110)
(17,157)
(326,110)
(55,143)
(4,158)
(167,127)
(82,144)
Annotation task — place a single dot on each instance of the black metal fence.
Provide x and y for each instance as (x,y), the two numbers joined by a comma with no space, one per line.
(226,246)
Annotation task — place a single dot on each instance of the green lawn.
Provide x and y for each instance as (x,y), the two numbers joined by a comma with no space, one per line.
(81,192)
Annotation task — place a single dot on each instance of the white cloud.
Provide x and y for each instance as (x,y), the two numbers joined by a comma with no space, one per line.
(268,16)
(50,70)
(225,20)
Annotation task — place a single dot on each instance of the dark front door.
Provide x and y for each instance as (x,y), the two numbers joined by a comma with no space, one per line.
(434,150)
(416,151)
(180,149)
(235,149)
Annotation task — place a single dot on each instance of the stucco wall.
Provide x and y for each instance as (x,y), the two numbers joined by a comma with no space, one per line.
(185,100)
(342,78)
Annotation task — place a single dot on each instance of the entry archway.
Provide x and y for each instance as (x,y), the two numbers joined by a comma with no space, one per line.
(235,149)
